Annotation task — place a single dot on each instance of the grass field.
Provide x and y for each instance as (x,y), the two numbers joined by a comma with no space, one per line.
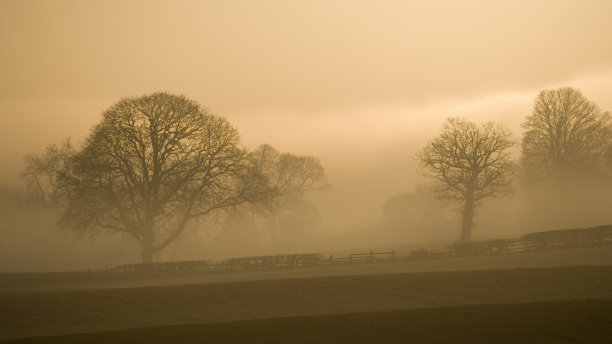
(575,321)
(597,255)
(537,304)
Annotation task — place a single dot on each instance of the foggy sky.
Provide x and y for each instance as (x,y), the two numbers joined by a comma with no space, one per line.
(360,84)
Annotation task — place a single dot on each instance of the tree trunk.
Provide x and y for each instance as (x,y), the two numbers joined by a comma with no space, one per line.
(147,246)
(147,254)
(468,218)
(273,228)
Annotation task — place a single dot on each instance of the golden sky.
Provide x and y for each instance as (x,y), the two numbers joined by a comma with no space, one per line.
(361,84)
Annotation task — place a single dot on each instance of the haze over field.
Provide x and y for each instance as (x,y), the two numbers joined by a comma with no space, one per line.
(362,85)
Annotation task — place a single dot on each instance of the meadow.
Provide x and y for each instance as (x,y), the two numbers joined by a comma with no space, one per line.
(518,298)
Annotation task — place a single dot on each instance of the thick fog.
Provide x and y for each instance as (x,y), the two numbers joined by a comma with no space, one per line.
(362,86)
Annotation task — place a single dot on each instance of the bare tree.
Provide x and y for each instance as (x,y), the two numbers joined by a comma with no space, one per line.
(289,177)
(566,133)
(152,166)
(469,163)
(41,172)
(411,208)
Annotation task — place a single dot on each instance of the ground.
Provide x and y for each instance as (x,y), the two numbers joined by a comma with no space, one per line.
(552,296)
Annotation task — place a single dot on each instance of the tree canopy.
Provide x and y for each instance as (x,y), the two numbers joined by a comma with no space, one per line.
(288,178)
(565,134)
(153,165)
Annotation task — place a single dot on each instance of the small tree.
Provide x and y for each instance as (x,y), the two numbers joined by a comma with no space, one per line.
(154,165)
(412,208)
(566,133)
(41,172)
(469,163)
(288,177)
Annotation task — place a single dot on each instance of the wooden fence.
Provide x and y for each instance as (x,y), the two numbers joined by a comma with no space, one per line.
(368,257)
(255,263)
(536,241)
(570,237)
(274,262)
(234,264)
(529,242)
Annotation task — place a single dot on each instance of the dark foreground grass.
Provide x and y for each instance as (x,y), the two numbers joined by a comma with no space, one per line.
(573,321)
(70,312)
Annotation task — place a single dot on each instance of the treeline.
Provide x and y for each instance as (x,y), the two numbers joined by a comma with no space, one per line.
(159,164)
(566,156)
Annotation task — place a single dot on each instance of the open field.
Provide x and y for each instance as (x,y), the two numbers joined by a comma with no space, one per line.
(575,321)
(594,255)
(522,296)
(58,312)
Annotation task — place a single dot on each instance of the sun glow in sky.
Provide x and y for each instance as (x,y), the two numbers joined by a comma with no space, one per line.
(360,84)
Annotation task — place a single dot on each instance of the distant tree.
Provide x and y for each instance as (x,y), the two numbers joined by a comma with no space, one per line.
(151,167)
(608,159)
(12,200)
(416,207)
(288,177)
(469,163)
(566,133)
(41,172)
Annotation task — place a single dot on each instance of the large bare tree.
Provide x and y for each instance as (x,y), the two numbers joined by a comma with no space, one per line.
(469,163)
(152,166)
(566,133)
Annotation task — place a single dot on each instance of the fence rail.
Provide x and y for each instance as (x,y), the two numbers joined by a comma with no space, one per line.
(529,242)
(368,257)
(234,264)
(536,241)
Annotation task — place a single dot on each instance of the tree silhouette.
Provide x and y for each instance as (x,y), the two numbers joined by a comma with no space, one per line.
(566,133)
(413,208)
(41,172)
(154,165)
(469,163)
(288,177)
